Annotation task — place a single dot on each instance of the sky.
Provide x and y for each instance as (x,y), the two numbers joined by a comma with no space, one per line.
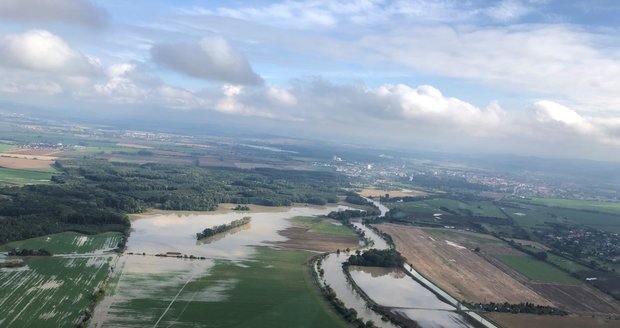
(537,77)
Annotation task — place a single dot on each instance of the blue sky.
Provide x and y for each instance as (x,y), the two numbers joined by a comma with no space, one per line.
(526,77)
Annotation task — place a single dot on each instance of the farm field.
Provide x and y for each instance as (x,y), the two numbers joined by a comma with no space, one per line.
(452,265)
(22,177)
(509,320)
(34,163)
(272,288)
(536,270)
(563,263)
(374,192)
(609,207)
(446,258)
(317,234)
(433,206)
(241,282)
(316,224)
(50,291)
(6,147)
(530,216)
(68,242)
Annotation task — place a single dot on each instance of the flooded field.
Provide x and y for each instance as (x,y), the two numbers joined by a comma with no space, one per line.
(227,288)
(50,291)
(394,289)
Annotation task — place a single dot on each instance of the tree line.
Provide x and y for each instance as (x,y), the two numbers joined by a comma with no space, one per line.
(93,195)
(208,232)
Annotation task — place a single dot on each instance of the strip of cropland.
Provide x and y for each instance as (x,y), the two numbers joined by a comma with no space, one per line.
(55,291)
(273,288)
(495,273)
(318,234)
(450,264)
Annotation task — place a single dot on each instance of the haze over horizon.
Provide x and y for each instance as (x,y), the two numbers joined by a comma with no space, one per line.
(508,77)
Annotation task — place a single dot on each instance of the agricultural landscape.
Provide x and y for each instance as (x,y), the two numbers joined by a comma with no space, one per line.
(118,230)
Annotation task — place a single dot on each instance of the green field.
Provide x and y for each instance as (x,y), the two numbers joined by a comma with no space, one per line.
(6,147)
(50,291)
(320,225)
(461,237)
(566,264)
(68,242)
(590,205)
(271,289)
(432,206)
(21,177)
(535,269)
(532,215)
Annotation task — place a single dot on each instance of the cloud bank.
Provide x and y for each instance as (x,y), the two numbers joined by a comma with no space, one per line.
(78,12)
(211,58)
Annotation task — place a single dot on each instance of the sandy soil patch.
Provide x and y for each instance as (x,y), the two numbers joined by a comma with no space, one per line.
(509,320)
(371,192)
(460,272)
(24,163)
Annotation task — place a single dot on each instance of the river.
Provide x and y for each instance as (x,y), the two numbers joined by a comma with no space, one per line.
(392,288)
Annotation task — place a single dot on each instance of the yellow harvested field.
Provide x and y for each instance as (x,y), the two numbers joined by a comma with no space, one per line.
(28,156)
(24,163)
(371,192)
(458,270)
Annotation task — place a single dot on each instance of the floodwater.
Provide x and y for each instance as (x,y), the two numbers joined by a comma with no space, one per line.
(163,233)
(335,278)
(148,277)
(392,287)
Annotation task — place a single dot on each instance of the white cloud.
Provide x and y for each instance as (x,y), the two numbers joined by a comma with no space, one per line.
(42,51)
(547,60)
(120,87)
(280,96)
(561,120)
(332,14)
(211,58)
(78,12)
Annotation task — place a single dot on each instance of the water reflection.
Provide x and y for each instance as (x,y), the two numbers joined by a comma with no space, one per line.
(391,287)
(172,232)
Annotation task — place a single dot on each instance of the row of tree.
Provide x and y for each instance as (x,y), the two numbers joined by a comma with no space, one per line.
(208,232)
(516,308)
(379,258)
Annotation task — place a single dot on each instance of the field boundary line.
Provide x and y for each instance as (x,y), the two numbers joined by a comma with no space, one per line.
(174,299)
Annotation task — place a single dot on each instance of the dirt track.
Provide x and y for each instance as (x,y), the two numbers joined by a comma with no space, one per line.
(458,270)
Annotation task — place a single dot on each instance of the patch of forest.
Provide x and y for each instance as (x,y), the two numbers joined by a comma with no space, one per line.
(378,258)
(209,232)
(92,196)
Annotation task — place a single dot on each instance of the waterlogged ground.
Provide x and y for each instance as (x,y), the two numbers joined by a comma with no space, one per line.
(55,291)
(243,282)
(50,291)
(69,242)
(393,288)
